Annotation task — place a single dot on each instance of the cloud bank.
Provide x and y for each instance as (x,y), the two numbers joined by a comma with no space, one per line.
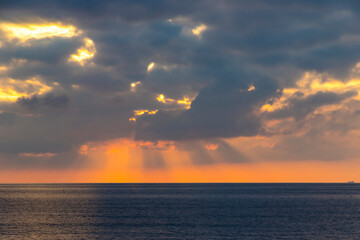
(199,72)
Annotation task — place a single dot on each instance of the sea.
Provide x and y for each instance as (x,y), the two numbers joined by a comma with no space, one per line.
(179,211)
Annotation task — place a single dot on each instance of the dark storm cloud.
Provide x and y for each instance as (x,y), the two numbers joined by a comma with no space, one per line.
(267,44)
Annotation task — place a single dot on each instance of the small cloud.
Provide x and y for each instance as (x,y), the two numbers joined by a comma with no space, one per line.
(251,88)
(84,53)
(150,66)
(133,85)
(199,29)
(42,155)
(211,147)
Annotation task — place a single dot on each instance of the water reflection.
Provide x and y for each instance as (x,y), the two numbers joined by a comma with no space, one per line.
(179,211)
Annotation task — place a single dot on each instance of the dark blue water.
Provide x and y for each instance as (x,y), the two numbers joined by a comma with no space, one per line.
(180,211)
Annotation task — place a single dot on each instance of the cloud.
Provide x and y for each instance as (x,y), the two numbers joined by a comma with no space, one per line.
(299,106)
(117,57)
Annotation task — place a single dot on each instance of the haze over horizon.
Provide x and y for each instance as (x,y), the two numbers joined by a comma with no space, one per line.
(174,91)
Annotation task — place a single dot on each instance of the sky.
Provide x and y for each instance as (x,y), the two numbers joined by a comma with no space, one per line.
(179,91)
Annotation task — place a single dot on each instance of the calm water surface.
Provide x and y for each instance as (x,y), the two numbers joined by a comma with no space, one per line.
(180,211)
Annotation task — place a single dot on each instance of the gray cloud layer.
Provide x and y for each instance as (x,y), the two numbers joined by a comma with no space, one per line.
(267,44)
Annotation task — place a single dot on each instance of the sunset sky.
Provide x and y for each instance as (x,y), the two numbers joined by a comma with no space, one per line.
(179,91)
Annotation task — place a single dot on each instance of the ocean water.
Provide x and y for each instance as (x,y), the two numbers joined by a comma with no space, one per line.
(180,211)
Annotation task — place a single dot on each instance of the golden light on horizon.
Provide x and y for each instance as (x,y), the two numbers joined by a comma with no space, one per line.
(122,160)
(26,31)
(114,172)
(84,53)
(12,89)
